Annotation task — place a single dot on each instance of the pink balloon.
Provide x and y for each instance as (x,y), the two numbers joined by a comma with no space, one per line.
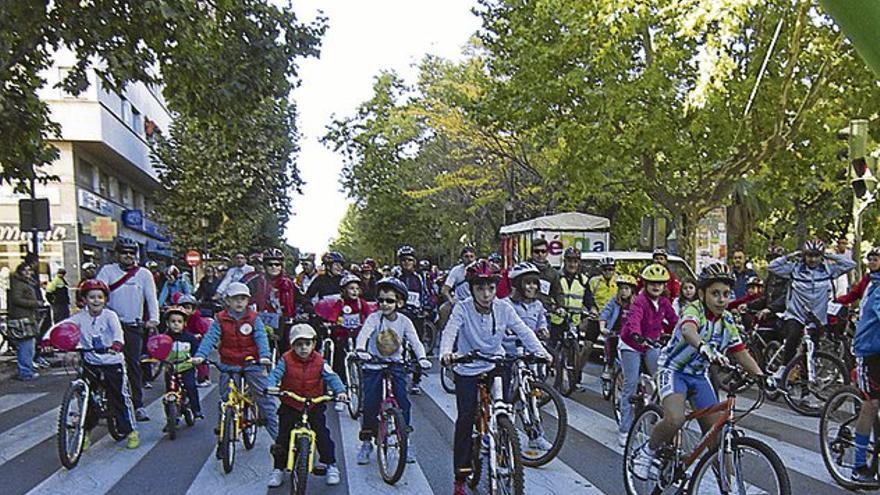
(159,346)
(64,336)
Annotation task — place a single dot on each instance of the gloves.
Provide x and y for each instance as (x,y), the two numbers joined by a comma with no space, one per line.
(713,356)
(343,397)
(447,359)
(425,364)
(364,356)
(265,361)
(116,347)
(196,360)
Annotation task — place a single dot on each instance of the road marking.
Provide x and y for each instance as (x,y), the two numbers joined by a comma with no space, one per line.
(21,438)
(554,477)
(11,401)
(249,473)
(108,461)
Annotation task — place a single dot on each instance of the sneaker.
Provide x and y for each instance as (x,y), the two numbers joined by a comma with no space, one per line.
(204,384)
(339,407)
(411,454)
(363,456)
(30,378)
(778,374)
(276,478)
(621,438)
(87,441)
(141,414)
(863,474)
(643,463)
(134,441)
(199,415)
(540,443)
(458,488)
(415,389)
(332,474)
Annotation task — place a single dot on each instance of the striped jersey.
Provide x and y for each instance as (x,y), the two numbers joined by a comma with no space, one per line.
(721,333)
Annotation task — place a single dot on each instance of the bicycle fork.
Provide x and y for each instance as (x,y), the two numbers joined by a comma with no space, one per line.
(811,363)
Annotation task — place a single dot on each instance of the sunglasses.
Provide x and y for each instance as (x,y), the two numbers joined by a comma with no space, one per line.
(539,251)
(387,300)
(273,264)
(127,252)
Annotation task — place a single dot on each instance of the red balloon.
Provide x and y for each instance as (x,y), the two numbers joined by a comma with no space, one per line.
(159,346)
(64,336)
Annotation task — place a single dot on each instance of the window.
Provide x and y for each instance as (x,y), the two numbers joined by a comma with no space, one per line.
(124,110)
(137,121)
(114,189)
(103,184)
(85,175)
(125,194)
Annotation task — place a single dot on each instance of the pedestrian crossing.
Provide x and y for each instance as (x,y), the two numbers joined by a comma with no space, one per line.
(590,462)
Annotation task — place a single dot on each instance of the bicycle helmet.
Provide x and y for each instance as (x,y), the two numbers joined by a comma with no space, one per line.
(520,269)
(572,252)
(334,257)
(659,252)
(814,246)
(91,284)
(424,265)
(125,244)
(172,271)
(606,261)
(368,263)
(655,272)
(494,258)
(273,254)
(88,265)
(152,265)
(626,280)
(307,257)
(394,284)
(481,272)
(406,251)
(354,268)
(875,251)
(754,281)
(187,299)
(176,309)
(716,272)
(348,278)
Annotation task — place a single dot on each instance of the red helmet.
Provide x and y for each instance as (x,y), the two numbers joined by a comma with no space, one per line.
(91,284)
(481,271)
(64,336)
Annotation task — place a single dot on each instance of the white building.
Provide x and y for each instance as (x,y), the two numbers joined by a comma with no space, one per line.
(105,174)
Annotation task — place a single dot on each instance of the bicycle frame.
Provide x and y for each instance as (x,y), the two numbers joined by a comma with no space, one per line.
(492,407)
(389,401)
(237,399)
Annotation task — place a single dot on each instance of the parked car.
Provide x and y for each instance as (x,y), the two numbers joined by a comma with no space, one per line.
(632,262)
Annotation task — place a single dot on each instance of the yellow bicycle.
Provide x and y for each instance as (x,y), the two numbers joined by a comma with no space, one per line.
(301,448)
(239,417)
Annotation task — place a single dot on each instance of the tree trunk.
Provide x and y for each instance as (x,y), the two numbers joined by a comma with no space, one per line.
(801,224)
(686,237)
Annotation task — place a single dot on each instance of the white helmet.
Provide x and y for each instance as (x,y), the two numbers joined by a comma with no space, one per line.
(238,289)
(524,268)
(349,278)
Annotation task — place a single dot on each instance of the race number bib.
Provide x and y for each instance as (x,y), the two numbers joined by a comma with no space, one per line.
(269,319)
(545,287)
(351,320)
(414,299)
(834,308)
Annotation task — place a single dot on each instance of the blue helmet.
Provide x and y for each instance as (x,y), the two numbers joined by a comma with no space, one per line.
(394,284)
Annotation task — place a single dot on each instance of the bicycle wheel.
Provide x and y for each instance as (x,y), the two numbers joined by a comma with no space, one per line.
(564,371)
(429,337)
(299,475)
(809,398)
(547,420)
(753,467)
(447,379)
(508,473)
(392,445)
(171,416)
(638,436)
(772,361)
(616,394)
(71,424)
(477,457)
(227,439)
(188,415)
(249,422)
(354,386)
(837,429)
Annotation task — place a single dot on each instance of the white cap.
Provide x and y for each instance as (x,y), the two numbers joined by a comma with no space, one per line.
(302,331)
(237,289)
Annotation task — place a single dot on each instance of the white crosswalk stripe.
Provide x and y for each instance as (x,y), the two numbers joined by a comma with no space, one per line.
(249,475)
(12,401)
(23,437)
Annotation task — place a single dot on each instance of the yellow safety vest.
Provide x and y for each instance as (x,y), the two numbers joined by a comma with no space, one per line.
(603,291)
(572,299)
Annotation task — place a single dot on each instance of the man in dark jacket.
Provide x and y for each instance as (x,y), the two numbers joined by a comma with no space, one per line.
(550,290)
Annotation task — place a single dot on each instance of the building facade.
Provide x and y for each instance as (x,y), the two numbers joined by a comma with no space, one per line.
(107,182)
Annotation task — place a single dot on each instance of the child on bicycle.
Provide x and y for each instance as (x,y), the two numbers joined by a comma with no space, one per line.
(613,316)
(100,330)
(349,314)
(243,345)
(198,326)
(525,281)
(705,335)
(866,347)
(478,324)
(650,315)
(383,336)
(185,344)
(303,371)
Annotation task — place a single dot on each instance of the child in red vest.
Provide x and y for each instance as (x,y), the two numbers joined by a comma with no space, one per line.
(348,315)
(302,370)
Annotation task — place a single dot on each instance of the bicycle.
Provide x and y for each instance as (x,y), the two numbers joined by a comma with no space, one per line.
(568,356)
(494,431)
(353,381)
(837,438)
(447,379)
(727,460)
(810,378)
(392,439)
(646,390)
(536,404)
(301,448)
(84,392)
(175,401)
(239,417)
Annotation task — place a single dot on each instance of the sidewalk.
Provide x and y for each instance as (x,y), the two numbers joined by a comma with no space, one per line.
(7,366)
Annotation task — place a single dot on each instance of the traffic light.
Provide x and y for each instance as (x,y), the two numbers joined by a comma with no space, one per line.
(861,164)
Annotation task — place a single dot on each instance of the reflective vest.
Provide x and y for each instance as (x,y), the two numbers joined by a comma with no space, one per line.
(237,338)
(302,377)
(603,291)
(572,299)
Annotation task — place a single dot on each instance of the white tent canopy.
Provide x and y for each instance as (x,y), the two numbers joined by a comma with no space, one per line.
(570,221)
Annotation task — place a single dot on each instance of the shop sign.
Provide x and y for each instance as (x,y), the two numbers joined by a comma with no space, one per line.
(103,229)
(12,233)
(135,219)
(95,203)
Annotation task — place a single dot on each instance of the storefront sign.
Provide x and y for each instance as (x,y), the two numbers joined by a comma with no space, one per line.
(135,219)
(711,246)
(12,233)
(103,229)
(159,248)
(95,203)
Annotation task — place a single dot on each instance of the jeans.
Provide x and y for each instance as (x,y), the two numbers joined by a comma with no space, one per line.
(631,364)
(288,419)
(25,358)
(372,393)
(466,400)
(266,404)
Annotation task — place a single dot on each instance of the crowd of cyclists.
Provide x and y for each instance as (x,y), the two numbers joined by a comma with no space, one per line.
(275,330)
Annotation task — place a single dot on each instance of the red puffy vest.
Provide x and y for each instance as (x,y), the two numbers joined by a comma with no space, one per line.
(236,345)
(302,377)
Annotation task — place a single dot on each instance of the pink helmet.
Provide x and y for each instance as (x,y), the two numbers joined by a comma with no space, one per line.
(159,346)
(481,271)
(64,336)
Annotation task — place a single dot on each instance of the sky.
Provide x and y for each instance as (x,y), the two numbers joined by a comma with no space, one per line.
(363,38)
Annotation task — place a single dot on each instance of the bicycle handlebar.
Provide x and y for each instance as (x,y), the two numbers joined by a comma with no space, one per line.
(297,397)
